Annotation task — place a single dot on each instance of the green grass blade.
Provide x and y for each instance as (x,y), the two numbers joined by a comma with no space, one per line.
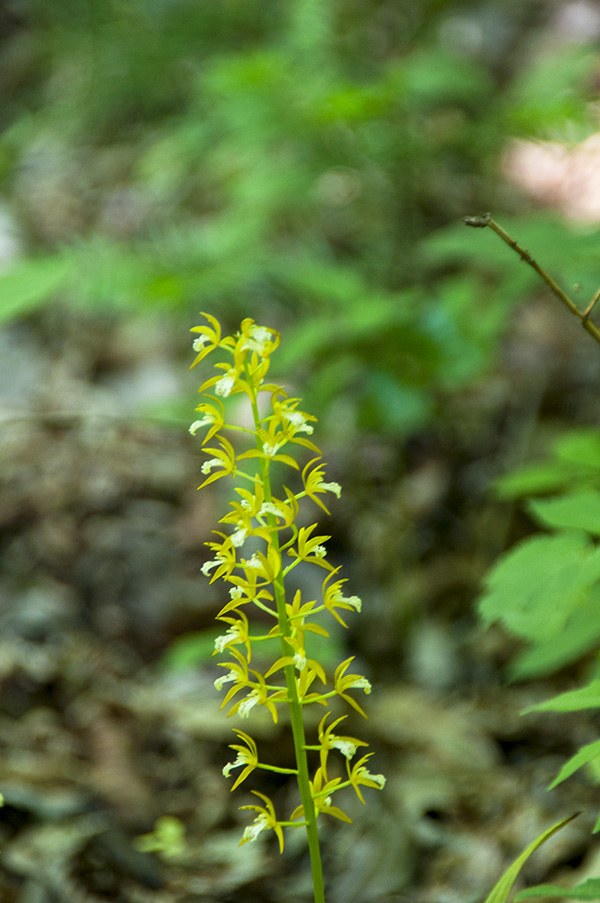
(501,891)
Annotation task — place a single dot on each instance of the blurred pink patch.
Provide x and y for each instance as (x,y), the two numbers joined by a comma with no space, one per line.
(558,175)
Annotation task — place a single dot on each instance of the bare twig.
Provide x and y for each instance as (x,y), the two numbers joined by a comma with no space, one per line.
(480,222)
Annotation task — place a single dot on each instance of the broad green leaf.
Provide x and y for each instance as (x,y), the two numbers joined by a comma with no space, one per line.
(501,891)
(580,635)
(572,701)
(576,511)
(580,447)
(30,284)
(190,650)
(535,587)
(574,462)
(586,754)
(589,890)
(547,476)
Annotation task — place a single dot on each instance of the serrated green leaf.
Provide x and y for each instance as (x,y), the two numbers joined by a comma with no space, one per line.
(501,891)
(589,890)
(573,701)
(535,587)
(586,754)
(576,511)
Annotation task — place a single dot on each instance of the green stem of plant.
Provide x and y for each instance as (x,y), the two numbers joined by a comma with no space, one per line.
(480,222)
(295,707)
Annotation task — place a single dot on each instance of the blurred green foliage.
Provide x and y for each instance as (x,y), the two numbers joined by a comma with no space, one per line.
(546,589)
(298,162)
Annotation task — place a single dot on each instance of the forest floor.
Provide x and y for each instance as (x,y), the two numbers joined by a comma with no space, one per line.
(103,727)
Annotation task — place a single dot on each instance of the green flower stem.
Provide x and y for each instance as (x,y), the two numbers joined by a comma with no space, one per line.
(300,748)
(295,706)
(277,769)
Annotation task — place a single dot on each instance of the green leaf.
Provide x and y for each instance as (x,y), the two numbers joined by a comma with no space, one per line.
(190,650)
(533,479)
(574,463)
(576,511)
(586,754)
(580,447)
(572,701)
(589,890)
(399,408)
(30,284)
(543,99)
(501,891)
(580,635)
(535,587)
(167,838)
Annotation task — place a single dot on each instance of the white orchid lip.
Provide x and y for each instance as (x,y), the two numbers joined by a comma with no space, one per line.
(361,683)
(198,424)
(209,565)
(346,748)
(252,831)
(300,661)
(225,679)
(271,450)
(248,703)
(208,465)
(270,508)
(298,421)
(230,636)
(238,538)
(199,342)
(224,386)
(258,340)
(239,761)
(331,487)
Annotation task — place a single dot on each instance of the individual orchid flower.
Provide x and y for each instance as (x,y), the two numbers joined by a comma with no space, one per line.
(257,338)
(209,338)
(259,695)
(291,419)
(213,418)
(224,458)
(247,756)
(265,819)
(334,599)
(314,485)
(321,792)
(344,682)
(359,774)
(328,740)
(311,549)
(236,633)
(225,560)
(238,675)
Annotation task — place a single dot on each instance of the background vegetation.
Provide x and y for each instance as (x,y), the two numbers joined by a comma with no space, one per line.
(305,163)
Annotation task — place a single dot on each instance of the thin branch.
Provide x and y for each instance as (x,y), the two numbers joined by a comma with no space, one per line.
(480,222)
